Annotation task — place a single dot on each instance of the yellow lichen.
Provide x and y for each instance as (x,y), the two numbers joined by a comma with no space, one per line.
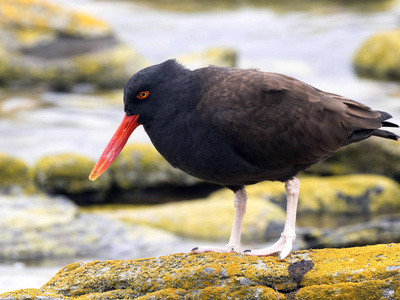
(371,272)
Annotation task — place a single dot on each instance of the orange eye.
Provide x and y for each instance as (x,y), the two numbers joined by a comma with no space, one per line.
(143,95)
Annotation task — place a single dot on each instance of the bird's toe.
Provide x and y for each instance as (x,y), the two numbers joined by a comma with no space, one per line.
(205,249)
(283,246)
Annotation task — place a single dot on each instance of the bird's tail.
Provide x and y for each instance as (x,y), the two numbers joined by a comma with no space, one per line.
(384,133)
(362,134)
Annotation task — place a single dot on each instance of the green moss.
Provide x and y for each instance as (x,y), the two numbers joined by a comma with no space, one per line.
(68,173)
(140,165)
(379,56)
(13,172)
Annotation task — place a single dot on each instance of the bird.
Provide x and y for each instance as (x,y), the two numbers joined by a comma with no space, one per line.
(237,127)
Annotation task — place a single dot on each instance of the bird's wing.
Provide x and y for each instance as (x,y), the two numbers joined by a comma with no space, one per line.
(273,119)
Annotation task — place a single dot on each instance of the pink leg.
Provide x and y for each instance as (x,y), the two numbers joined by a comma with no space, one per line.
(285,243)
(233,246)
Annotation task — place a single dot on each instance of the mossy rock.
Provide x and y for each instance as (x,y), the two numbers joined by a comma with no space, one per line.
(373,156)
(379,56)
(370,272)
(13,172)
(68,174)
(140,166)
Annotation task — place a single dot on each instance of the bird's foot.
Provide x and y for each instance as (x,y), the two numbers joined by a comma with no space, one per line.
(283,246)
(226,249)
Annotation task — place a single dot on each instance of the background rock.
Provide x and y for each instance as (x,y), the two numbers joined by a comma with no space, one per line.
(373,156)
(205,219)
(57,47)
(68,174)
(14,173)
(382,230)
(34,228)
(140,166)
(224,57)
(379,56)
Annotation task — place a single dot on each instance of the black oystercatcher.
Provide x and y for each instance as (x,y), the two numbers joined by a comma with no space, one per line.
(238,127)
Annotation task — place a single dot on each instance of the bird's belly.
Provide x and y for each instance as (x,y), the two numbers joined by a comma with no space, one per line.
(222,165)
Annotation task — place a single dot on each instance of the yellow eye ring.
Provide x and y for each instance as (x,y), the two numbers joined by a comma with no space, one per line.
(143,95)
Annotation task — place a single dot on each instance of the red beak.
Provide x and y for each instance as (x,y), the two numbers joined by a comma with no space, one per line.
(114,147)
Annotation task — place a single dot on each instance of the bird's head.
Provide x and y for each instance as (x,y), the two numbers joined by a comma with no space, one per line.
(148,94)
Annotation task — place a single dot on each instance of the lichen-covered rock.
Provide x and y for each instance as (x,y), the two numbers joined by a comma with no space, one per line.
(379,56)
(215,56)
(371,272)
(373,156)
(39,227)
(140,165)
(13,172)
(68,174)
(43,42)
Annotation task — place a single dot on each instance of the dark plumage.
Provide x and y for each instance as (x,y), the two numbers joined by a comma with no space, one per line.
(237,127)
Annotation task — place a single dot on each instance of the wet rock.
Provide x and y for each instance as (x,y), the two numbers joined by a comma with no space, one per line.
(68,174)
(225,57)
(379,56)
(60,48)
(371,272)
(39,227)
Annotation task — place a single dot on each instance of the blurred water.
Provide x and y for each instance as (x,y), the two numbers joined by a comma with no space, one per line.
(316,48)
